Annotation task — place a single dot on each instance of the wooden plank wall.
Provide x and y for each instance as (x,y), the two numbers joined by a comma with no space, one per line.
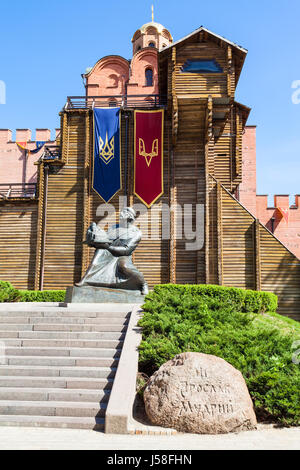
(64,217)
(237,244)
(201,84)
(18,230)
(223,161)
(189,181)
(228,151)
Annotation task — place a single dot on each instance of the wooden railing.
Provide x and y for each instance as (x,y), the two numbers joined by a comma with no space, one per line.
(123,101)
(51,152)
(17,190)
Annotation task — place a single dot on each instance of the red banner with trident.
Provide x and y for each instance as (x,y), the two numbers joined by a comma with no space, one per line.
(148,155)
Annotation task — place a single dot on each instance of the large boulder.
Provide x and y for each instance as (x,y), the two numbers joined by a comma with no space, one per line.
(199,393)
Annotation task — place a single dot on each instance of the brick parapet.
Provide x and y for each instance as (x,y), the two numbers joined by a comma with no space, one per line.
(13,167)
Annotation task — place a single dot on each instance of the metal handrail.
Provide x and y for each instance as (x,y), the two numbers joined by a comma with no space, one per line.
(123,101)
(17,190)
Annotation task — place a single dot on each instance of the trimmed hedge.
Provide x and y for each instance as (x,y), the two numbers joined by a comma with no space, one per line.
(241,300)
(9,294)
(42,296)
(236,325)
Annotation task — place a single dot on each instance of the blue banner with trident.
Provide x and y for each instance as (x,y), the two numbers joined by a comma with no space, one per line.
(107,152)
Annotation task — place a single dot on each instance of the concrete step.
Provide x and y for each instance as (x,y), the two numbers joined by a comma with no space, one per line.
(63,351)
(53,408)
(95,335)
(55,394)
(62,307)
(56,382)
(96,424)
(64,320)
(61,327)
(61,361)
(63,371)
(63,314)
(88,343)
(16,327)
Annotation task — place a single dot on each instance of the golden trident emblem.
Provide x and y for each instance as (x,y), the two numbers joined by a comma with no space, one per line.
(107,151)
(148,156)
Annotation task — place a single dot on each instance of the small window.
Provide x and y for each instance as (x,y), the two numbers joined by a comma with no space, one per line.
(164,45)
(149,77)
(201,66)
(151,44)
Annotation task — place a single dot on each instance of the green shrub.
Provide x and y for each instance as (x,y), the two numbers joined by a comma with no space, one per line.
(42,296)
(232,324)
(242,300)
(7,292)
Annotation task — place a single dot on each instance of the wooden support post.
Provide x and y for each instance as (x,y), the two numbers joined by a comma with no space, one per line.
(44,229)
(64,137)
(229,72)
(86,192)
(40,217)
(219,234)
(174,100)
(238,145)
(257,257)
(172,221)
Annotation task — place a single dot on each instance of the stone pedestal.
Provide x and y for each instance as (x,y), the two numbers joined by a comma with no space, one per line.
(99,295)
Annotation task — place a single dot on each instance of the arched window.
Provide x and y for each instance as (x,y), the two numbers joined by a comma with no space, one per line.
(151,44)
(113,81)
(149,77)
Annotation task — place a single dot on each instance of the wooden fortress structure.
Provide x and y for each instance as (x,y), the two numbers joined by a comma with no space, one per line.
(41,239)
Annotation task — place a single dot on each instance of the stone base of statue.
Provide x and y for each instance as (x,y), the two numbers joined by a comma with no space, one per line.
(99,295)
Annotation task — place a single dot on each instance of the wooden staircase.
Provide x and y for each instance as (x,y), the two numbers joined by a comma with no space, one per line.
(243,253)
(57,364)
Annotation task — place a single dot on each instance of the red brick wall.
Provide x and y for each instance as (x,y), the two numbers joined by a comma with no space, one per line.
(247,189)
(109,76)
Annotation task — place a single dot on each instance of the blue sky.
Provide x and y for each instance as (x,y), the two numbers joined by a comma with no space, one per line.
(46,45)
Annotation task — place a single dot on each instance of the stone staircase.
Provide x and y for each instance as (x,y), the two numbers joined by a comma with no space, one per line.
(57,364)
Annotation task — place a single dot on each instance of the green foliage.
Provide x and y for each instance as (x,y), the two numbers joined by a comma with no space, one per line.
(228,323)
(9,294)
(241,300)
(42,296)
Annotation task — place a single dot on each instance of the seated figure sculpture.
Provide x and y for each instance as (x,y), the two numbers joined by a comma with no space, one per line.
(112,264)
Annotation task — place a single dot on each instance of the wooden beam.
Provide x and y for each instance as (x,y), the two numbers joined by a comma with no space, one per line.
(257,254)
(39,226)
(172,221)
(219,234)
(208,153)
(229,72)
(174,100)
(86,192)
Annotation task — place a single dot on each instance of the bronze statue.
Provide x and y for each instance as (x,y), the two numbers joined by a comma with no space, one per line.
(112,264)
